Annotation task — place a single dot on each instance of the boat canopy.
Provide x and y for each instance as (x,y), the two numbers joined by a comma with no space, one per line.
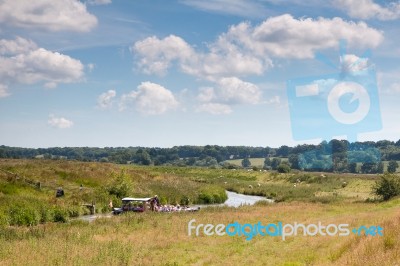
(136,199)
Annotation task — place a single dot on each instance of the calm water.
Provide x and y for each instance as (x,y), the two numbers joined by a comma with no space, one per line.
(236,199)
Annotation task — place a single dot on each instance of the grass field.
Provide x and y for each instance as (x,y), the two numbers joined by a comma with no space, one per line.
(258,162)
(162,238)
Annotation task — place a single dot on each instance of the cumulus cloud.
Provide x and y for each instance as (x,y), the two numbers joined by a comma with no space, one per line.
(21,61)
(245,50)
(3,91)
(156,56)
(241,8)
(206,94)
(105,100)
(368,9)
(287,37)
(228,92)
(60,15)
(353,63)
(149,99)
(214,108)
(248,50)
(59,122)
(236,91)
(99,2)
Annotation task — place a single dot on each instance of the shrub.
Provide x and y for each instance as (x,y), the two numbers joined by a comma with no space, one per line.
(283,168)
(387,187)
(121,186)
(74,211)
(46,214)
(24,215)
(60,215)
(3,219)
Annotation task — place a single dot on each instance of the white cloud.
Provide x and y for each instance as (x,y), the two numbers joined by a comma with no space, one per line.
(21,61)
(150,99)
(353,63)
(228,92)
(105,100)
(157,55)
(17,46)
(214,108)
(206,94)
(231,91)
(223,59)
(90,67)
(50,85)
(368,9)
(99,2)
(235,91)
(246,50)
(241,8)
(3,91)
(286,37)
(59,122)
(60,15)
(274,100)
(395,88)
(389,82)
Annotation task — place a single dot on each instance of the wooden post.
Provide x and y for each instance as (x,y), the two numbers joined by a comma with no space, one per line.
(93,208)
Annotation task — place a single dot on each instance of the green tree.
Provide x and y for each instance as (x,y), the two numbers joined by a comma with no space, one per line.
(294,161)
(353,168)
(380,168)
(392,167)
(121,185)
(275,163)
(368,168)
(246,162)
(283,168)
(387,187)
(267,163)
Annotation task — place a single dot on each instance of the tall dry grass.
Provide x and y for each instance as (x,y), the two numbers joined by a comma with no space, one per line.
(162,239)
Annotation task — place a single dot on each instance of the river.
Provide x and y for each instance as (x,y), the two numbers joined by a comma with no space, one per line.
(234,200)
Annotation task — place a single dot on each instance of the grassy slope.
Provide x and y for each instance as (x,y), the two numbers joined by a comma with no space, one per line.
(161,239)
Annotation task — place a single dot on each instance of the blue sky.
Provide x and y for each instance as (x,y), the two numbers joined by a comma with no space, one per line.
(155,73)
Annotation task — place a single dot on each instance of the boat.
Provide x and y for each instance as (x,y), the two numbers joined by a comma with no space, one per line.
(143,204)
(133,204)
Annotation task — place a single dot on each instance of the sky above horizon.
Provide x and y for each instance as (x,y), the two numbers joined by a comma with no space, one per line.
(118,73)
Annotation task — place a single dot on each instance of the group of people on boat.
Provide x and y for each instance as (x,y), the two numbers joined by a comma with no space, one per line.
(142,204)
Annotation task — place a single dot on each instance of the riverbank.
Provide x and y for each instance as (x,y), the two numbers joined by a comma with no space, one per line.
(159,239)
(234,200)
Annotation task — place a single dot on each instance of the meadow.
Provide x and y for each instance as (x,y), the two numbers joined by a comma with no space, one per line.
(162,238)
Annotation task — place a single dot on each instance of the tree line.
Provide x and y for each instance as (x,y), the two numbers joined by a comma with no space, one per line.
(335,155)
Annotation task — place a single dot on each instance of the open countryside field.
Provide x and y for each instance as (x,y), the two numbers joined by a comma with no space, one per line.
(162,238)
(258,162)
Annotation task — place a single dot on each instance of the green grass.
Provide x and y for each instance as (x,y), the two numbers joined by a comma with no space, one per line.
(258,162)
(27,214)
(162,239)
